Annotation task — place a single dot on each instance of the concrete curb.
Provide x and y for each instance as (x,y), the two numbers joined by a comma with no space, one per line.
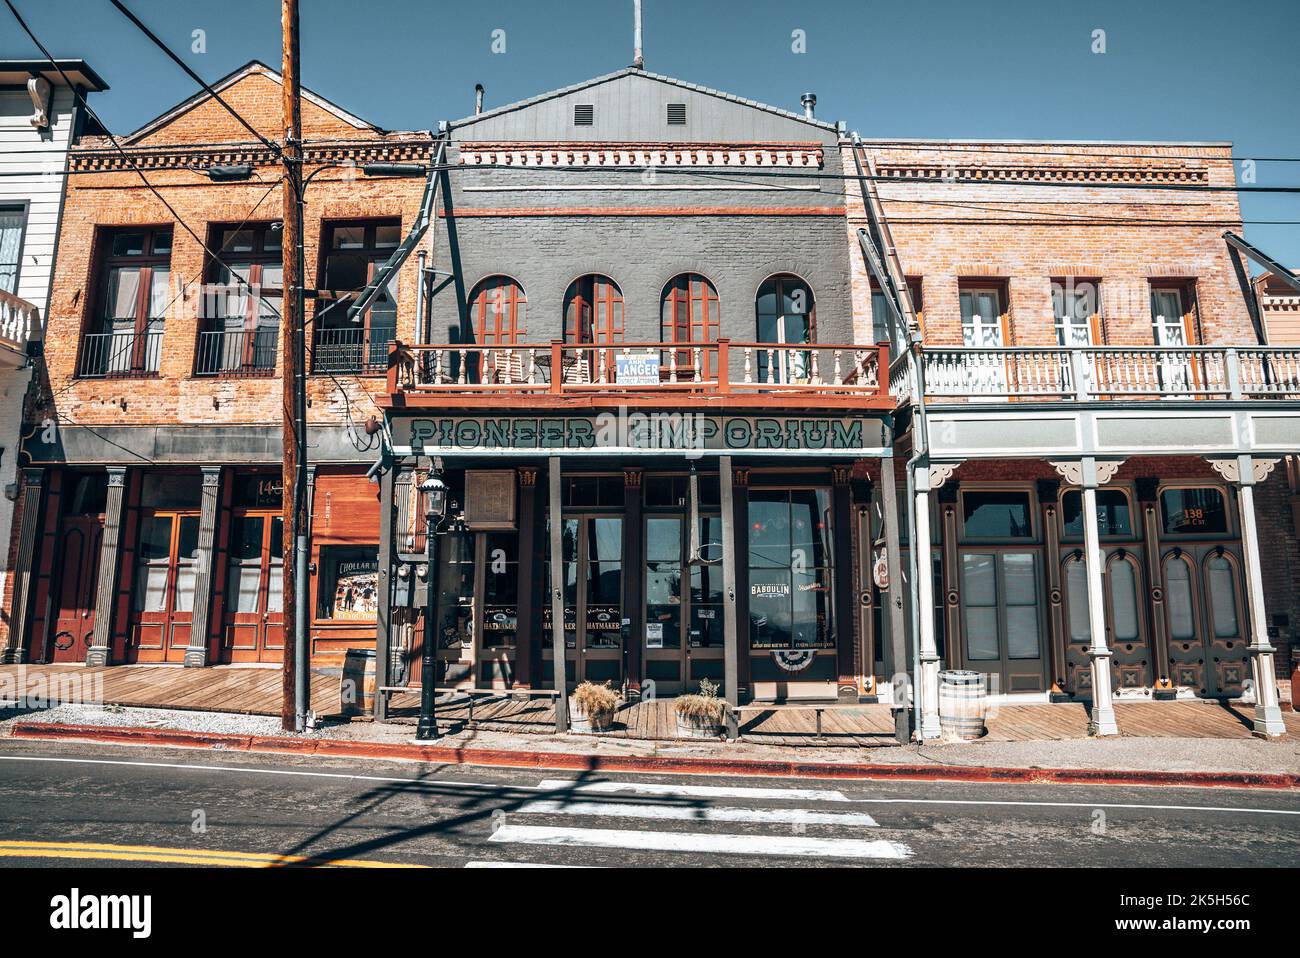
(566,761)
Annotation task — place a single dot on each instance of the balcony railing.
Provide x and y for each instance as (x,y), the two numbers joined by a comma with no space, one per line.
(236,353)
(1102,373)
(18,319)
(355,350)
(120,355)
(686,370)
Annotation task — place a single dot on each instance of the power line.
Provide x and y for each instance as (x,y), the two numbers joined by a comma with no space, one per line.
(113,140)
(273,147)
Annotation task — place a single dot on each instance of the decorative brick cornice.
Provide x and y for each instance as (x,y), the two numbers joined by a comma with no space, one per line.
(644,155)
(1042,173)
(410,149)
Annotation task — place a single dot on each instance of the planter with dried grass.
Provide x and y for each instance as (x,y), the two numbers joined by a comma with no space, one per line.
(702,715)
(593,707)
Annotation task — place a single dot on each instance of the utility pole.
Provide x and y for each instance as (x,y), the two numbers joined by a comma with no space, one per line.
(293,477)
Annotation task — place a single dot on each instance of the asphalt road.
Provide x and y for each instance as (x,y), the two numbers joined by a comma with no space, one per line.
(121,806)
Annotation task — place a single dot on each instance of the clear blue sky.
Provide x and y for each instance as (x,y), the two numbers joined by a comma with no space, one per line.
(1173,69)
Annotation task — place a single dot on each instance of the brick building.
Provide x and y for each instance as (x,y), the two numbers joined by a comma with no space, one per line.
(1082,336)
(151,493)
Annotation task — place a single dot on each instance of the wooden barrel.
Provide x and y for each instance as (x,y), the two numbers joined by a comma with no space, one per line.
(962,701)
(357,688)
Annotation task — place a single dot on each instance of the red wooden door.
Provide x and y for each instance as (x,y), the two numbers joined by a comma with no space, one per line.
(163,601)
(74,615)
(253,630)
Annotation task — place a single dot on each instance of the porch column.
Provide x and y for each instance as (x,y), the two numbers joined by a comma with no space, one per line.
(897,662)
(196,653)
(24,571)
(109,553)
(556,510)
(1246,471)
(730,627)
(528,571)
(927,478)
(384,618)
(633,581)
(846,637)
(1089,474)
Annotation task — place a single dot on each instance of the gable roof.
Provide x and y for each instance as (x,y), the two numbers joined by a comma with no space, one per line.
(638,72)
(251,68)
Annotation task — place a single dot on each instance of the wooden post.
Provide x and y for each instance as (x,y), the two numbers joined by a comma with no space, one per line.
(196,653)
(1103,711)
(290,349)
(556,514)
(730,627)
(384,620)
(24,570)
(634,584)
(527,570)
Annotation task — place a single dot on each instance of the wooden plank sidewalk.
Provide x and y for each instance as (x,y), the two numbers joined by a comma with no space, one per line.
(256,691)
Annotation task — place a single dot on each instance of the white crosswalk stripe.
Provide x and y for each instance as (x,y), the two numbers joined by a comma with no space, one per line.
(665,808)
(770,816)
(701,842)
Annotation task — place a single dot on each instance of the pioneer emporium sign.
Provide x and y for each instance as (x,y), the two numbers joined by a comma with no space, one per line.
(624,434)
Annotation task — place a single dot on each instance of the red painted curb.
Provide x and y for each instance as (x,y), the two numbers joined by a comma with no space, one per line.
(565,761)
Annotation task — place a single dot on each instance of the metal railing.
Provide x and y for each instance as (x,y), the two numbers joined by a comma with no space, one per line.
(237,352)
(358,350)
(18,319)
(1102,373)
(720,367)
(120,355)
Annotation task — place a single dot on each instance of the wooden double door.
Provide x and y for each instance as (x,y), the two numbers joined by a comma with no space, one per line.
(253,610)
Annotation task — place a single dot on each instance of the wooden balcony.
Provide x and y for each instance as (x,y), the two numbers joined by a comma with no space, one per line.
(721,374)
(1101,374)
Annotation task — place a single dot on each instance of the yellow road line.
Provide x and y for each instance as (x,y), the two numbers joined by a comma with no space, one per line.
(181,856)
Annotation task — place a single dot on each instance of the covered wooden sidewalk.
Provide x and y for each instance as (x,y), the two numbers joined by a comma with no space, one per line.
(256,691)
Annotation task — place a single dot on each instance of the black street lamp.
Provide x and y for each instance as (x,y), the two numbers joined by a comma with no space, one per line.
(433,495)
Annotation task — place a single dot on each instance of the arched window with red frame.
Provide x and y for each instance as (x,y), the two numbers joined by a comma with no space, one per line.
(593,313)
(498,312)
(690,313)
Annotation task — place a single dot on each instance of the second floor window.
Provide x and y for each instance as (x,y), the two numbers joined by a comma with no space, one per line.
(787,316)
(11,246)
(1076,311)
(690,314)
(355,252)
(982,321)
(241,319)
(125,337)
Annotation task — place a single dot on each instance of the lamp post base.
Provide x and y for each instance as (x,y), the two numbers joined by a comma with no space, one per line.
(427,731)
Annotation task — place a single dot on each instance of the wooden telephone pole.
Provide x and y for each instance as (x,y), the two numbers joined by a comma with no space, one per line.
(291,331)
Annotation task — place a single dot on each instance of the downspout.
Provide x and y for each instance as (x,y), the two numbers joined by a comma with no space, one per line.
(900,305)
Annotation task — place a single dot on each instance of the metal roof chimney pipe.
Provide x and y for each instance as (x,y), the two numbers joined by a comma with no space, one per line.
(478,98)
(638,52)
(809,101)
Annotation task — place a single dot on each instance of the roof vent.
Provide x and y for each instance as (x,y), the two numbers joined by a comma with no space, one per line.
(676,114)
(809,101)
(584,114)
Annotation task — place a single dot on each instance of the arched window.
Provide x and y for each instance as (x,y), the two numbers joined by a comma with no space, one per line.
(1179,599)
(1221,583)
(690,313)
(498,312)
(1076,600)
(1123,595)
(787,316)
(593,311)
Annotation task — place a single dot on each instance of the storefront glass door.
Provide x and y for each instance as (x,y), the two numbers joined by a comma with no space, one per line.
(683,604)
(592,550)
(1002,619)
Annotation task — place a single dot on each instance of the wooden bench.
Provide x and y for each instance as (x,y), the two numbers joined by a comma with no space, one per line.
(814,707)
(475,696)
